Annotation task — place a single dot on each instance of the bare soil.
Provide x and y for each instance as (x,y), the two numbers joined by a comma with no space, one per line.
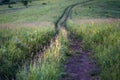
(79,66)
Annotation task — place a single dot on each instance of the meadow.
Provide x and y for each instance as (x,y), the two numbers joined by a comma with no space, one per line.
(102,39)
(24,32)
(49,65)
(19,44)
(37,12)
(97,9)
(31,50)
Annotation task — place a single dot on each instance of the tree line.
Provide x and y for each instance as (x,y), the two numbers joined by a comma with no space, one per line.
(10,2)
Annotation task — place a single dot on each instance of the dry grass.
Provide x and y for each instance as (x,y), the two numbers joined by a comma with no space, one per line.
(89,21)
(26,24)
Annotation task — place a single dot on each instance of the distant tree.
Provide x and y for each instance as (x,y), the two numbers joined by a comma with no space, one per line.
(25,3)
(9,3)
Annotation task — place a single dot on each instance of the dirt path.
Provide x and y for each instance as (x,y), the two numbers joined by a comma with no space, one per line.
(79,66)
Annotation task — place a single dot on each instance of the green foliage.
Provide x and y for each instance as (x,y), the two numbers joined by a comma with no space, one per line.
(104,40)
(20,44)
(48,66)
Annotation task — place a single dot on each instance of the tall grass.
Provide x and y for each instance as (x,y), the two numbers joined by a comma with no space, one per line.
(48,66)
(104,40)
(17,44)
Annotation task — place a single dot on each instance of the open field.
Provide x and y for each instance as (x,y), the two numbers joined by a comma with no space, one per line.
(98,9)
(103,39)
(48,66)
(85,47)
(18,44)
(36,12)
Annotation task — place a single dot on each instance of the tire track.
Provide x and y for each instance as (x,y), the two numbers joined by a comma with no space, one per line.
(78,66)
(66,13)
(61,22)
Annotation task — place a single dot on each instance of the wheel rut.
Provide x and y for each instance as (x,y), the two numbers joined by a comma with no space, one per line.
(78,65)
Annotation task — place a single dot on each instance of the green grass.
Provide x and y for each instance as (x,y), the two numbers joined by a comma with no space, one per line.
(36,12)
(51,12)
(19,44)
(104,40)
(98,9)
(49,66)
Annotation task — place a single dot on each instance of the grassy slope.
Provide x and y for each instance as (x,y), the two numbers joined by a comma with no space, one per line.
(50,12)
(98,9)
(18,44)
(100,35)
(49,65)
(104,40)
(37,12)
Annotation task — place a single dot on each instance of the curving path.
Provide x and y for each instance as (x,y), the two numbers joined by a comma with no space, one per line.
(78,66)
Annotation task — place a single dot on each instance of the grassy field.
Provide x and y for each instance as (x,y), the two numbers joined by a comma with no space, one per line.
(53,9)
(18,44)
(99,30)
(26,31)
(49,66)
(103,39)
(98,9)
(36,12)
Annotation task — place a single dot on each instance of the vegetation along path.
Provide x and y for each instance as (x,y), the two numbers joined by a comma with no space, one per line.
(30,50)
(78,65)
